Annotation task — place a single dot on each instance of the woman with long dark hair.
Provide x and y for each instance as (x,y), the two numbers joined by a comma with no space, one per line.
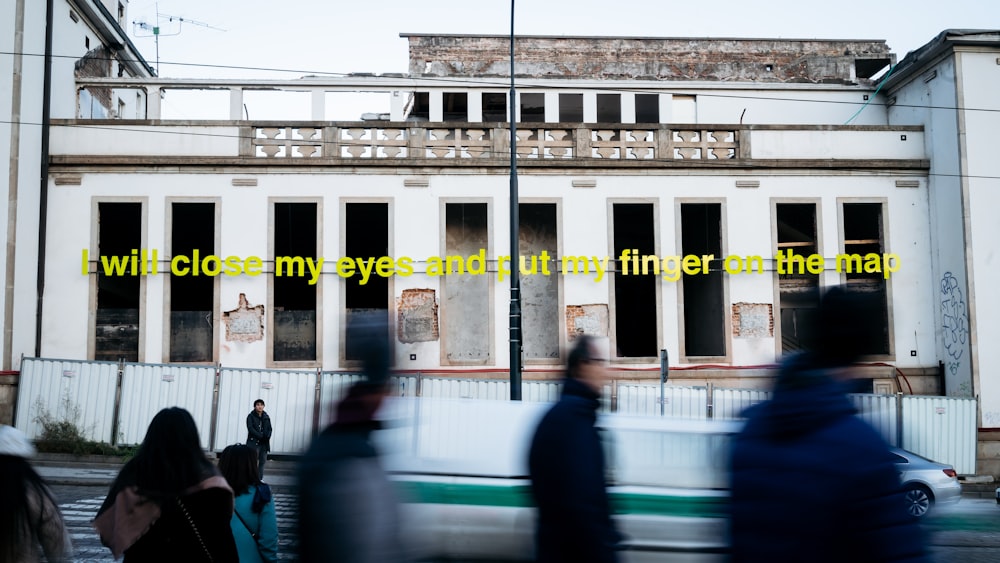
(30,523)
(169,503)
(254,522)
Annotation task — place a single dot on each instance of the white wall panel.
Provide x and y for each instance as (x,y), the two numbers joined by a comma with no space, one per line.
(55,385)
(289,399)
(942,429)
(149,388)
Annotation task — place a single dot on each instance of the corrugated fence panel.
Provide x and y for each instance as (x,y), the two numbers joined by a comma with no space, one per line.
(464,388)
(332,388)
(680,402)
(289,398)
(149,388)
(942,429)
(879,411)
(403,386)
(729,404)
(540,391)
(61,387)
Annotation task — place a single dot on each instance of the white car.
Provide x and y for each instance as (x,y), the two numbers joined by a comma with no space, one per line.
(925,482)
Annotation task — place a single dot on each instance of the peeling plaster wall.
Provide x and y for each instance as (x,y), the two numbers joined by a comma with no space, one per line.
(467,333)
(539,292)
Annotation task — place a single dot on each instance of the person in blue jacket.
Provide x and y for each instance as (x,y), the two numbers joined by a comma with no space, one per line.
(255,527)
(811,481)
(567,468)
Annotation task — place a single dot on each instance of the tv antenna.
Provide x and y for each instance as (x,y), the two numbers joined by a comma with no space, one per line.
(142,28)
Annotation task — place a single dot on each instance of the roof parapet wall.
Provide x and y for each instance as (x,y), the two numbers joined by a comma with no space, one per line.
(636,58)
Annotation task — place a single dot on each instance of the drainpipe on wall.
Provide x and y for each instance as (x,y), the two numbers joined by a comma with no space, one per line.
(43,195)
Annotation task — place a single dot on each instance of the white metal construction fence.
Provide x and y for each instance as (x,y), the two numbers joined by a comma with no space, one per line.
(114,403)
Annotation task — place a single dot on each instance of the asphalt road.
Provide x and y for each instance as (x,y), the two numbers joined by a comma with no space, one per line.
(968,532)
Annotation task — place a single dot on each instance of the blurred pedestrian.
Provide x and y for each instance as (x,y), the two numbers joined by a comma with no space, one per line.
(169,502)
(348,510)
(567,468)
(254,522)
(811,481)
(30,523)
(259,434)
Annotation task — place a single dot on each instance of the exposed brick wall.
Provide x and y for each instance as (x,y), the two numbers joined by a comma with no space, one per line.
(586,319)
(753,320)
(813,61)
(96,64)
(417,312)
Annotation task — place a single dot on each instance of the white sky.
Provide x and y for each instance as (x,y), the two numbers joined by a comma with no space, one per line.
(339,36)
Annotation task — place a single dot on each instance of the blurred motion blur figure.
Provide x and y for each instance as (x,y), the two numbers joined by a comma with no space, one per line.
(254,522)
(169,502)
(348,510)
(566,465)
(811,481)
(30,523)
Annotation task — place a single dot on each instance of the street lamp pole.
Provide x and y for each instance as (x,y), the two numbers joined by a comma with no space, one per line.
(515,260)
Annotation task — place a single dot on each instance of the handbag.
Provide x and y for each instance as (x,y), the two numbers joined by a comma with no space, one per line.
(194,528)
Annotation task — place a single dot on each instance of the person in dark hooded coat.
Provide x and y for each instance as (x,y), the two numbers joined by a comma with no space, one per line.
(811,481)
(567,468)
(348,508)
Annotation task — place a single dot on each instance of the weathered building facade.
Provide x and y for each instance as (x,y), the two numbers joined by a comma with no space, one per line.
(688,195)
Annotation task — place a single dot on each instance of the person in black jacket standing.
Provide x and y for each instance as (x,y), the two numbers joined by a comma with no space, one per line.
(259,434)
(566,465)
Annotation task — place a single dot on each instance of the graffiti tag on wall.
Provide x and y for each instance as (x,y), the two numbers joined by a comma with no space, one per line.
(954,320)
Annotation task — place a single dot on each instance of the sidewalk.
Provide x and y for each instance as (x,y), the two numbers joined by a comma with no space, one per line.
(98,471)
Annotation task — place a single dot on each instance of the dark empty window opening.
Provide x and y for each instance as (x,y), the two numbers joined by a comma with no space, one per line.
(609,108)
(704,313)
(635,293)
(864,235)
(571,108)
(192,297)
(539,291)
(421,110)
(455,106)
(367,304)
(465,319)
(294,304)
(117,317)
(647,108)
(532,108)
(495,107)
(798,289)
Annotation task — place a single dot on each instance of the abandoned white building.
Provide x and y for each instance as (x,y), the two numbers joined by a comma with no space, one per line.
(681,194)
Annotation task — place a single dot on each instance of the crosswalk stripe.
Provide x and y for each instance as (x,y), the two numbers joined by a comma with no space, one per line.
(87,545)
